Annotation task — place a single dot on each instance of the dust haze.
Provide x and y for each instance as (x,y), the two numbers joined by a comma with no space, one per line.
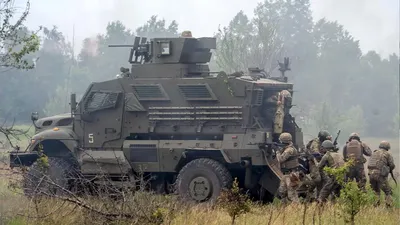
(374,23)
(344,54)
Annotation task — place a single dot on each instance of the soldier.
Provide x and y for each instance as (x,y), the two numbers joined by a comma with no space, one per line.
(186,34)
(379,167)
(330,159)
(288,159)
(124,72)
(313,180)
(315,144)
(355,150)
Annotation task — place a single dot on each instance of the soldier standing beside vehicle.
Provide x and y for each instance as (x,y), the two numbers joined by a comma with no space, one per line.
(315,144)
(355,150)
(380,165)
(288,159)
(330,159)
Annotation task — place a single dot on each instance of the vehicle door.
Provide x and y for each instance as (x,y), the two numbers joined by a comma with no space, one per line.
(102,119)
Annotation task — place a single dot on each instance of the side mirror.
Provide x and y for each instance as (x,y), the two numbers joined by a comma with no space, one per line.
(73,102)
(34,116)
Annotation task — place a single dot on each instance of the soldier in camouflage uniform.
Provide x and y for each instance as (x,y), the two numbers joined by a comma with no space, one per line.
(330,159)
(313,180)
(317,176)
(355,150)
(379,167)
(315,144)
(288,159)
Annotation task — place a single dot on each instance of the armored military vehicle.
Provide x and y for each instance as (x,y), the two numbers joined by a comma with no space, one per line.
(171,119)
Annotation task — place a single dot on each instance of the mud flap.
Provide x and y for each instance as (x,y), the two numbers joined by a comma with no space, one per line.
(275,167)
(271,178)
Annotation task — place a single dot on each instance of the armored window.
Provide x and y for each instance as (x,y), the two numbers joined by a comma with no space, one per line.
(197,92)
(64,122)
(101,100)
(150,92)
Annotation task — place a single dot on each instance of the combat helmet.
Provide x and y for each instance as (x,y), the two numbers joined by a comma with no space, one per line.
(285,138)
(385,145)
(186,34)
(354,136)
(327,144)
(323,135)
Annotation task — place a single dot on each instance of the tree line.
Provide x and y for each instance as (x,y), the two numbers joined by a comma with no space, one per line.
(336,86)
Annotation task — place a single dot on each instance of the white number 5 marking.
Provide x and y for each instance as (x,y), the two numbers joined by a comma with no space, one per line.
(91,139)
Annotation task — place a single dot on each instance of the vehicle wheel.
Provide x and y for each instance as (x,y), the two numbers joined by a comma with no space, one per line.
(52,179)
(202,180)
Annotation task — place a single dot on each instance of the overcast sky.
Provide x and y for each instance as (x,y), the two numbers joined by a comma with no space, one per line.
(374,22)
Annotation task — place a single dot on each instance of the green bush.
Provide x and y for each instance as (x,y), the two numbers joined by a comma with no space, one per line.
(234,202)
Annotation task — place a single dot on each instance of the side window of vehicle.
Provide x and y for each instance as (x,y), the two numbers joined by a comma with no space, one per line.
(47,123)
(101,100)
(64,122)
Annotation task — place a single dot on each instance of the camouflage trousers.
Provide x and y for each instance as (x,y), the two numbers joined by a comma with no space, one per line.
(288,187)
(314,182)
(357,172)
(330,186)
(378,183)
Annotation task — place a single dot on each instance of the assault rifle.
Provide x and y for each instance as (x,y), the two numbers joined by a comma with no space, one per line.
(394,179)
(275,147)
(310,155)
(336,138)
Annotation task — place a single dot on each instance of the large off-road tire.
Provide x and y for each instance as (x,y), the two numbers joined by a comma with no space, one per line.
(202,180)
(48,180)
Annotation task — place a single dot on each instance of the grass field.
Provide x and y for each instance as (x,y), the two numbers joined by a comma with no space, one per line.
(15,209)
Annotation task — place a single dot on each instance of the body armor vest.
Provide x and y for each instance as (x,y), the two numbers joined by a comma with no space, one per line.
(338,160)
(375,162)
(354,151)
(291,163)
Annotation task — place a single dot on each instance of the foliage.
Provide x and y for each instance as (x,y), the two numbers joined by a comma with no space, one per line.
(157,28)
(15,43)
(234,202)
(246,43)
(333,81)
(43,160)
(339,173)
(54,105)
(352,199)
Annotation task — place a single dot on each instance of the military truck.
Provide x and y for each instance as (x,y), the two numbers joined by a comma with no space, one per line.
(172,120)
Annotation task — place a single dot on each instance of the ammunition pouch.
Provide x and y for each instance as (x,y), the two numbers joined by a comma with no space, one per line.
(385,171)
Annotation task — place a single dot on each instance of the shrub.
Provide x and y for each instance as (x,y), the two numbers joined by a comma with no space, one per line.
(234,202)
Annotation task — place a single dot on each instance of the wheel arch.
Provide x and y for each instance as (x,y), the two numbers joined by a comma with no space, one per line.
(191,154)
(58,149)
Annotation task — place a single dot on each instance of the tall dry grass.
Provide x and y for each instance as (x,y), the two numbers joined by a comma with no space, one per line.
(58,212)
(15,209)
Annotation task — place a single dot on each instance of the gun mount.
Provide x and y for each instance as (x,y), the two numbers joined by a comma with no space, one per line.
(188,56)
